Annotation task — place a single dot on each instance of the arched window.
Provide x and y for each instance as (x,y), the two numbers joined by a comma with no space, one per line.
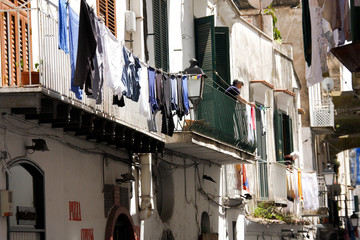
(26,182)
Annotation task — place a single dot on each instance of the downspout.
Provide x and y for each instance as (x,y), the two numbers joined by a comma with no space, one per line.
(146,197)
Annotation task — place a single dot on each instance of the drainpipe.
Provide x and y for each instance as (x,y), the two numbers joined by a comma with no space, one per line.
(147,206)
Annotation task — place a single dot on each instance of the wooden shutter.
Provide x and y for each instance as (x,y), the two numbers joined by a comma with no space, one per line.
(107,12)
(222,57)
(161,45)
(205,51)
(278,122)
(15,44)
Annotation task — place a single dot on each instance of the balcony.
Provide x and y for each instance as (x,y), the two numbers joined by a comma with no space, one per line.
(263,178)
(322,116)
(277,181)
(217,131)
(322,211)
(47,98)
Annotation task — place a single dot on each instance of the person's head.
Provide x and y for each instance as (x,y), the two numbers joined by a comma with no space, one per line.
(238,83)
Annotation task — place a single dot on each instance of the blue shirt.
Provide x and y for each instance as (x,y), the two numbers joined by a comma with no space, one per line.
(232,92)
(63,37)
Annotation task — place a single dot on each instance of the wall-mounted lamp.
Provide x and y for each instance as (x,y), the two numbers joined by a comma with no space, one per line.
(126,178)
(38,145)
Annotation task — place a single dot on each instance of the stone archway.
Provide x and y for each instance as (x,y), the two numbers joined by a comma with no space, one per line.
(120,222)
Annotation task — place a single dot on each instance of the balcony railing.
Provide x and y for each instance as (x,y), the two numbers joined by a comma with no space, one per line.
(278,182)
(54,74)
(220,117)
(263,179)
(323,114)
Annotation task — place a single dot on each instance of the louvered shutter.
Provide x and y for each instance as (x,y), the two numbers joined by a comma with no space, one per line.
(106,12)
(288,135)
(279,136)
(222,57)
(161,45)
(205,45)
(15,41)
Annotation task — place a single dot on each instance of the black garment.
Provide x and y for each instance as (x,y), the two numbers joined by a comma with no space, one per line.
(306,24)
(120,102)
(159,90)
(130,76)
(180,112)
(85,67)
(167,118)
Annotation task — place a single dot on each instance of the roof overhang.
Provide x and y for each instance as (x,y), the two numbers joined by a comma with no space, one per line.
(259,87)
(348,55)
(204,148)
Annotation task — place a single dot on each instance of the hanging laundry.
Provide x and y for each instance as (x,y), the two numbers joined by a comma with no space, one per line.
(130,75)
(144,106)
(113,63)
(167,119)
(344,30)
(295,183)
(152,95)
(174,98)
(185,94)
(180,111)
(300,186)
(159,89)
(306,26)
(318,68)
(263,119)
(311,191)
(246,186)
(119,100)
(238,176)
(85,68)
(63,38)
(253,119)
(99,62)
(332,14)
(290,186)
(250,129)
(73,45)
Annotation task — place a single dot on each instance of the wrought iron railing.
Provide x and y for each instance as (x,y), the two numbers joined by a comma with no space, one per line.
(221,117)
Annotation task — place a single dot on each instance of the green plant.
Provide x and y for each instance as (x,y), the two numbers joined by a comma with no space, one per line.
(21,64)
(269,211)
(271,11)
(37,65)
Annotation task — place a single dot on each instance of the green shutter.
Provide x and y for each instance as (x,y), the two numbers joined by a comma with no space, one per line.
(222,57)
(161,34)
(205,45)
(288,135)
(356,203)
(279,136)
(260,136)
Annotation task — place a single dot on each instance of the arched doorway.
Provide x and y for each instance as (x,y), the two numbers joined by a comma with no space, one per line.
(26,182)
(120,225)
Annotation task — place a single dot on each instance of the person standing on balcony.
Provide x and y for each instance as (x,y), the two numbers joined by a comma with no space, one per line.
(234,91)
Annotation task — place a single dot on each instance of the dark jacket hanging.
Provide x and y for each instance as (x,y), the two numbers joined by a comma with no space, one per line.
(167,118)
(85,68)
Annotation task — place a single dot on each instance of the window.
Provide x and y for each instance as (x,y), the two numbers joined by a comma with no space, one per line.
(161,34)
(212,51)
(283,135)
(15,41)
(261,152)
(106,12)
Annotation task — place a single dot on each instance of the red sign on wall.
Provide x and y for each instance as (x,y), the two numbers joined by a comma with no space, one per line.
(74,211)
(87,234)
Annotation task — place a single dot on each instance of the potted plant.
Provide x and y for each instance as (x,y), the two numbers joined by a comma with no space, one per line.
(25,75)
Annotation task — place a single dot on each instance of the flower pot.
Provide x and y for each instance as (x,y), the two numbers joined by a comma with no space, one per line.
(25,78)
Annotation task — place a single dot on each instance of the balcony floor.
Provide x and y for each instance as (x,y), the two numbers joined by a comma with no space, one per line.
(207,149)
(47,107)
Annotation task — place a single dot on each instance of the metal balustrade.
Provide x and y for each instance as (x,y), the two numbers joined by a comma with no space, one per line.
(221,117)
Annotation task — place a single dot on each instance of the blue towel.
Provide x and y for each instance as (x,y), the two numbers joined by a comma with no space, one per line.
(73,42)
(63,38)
